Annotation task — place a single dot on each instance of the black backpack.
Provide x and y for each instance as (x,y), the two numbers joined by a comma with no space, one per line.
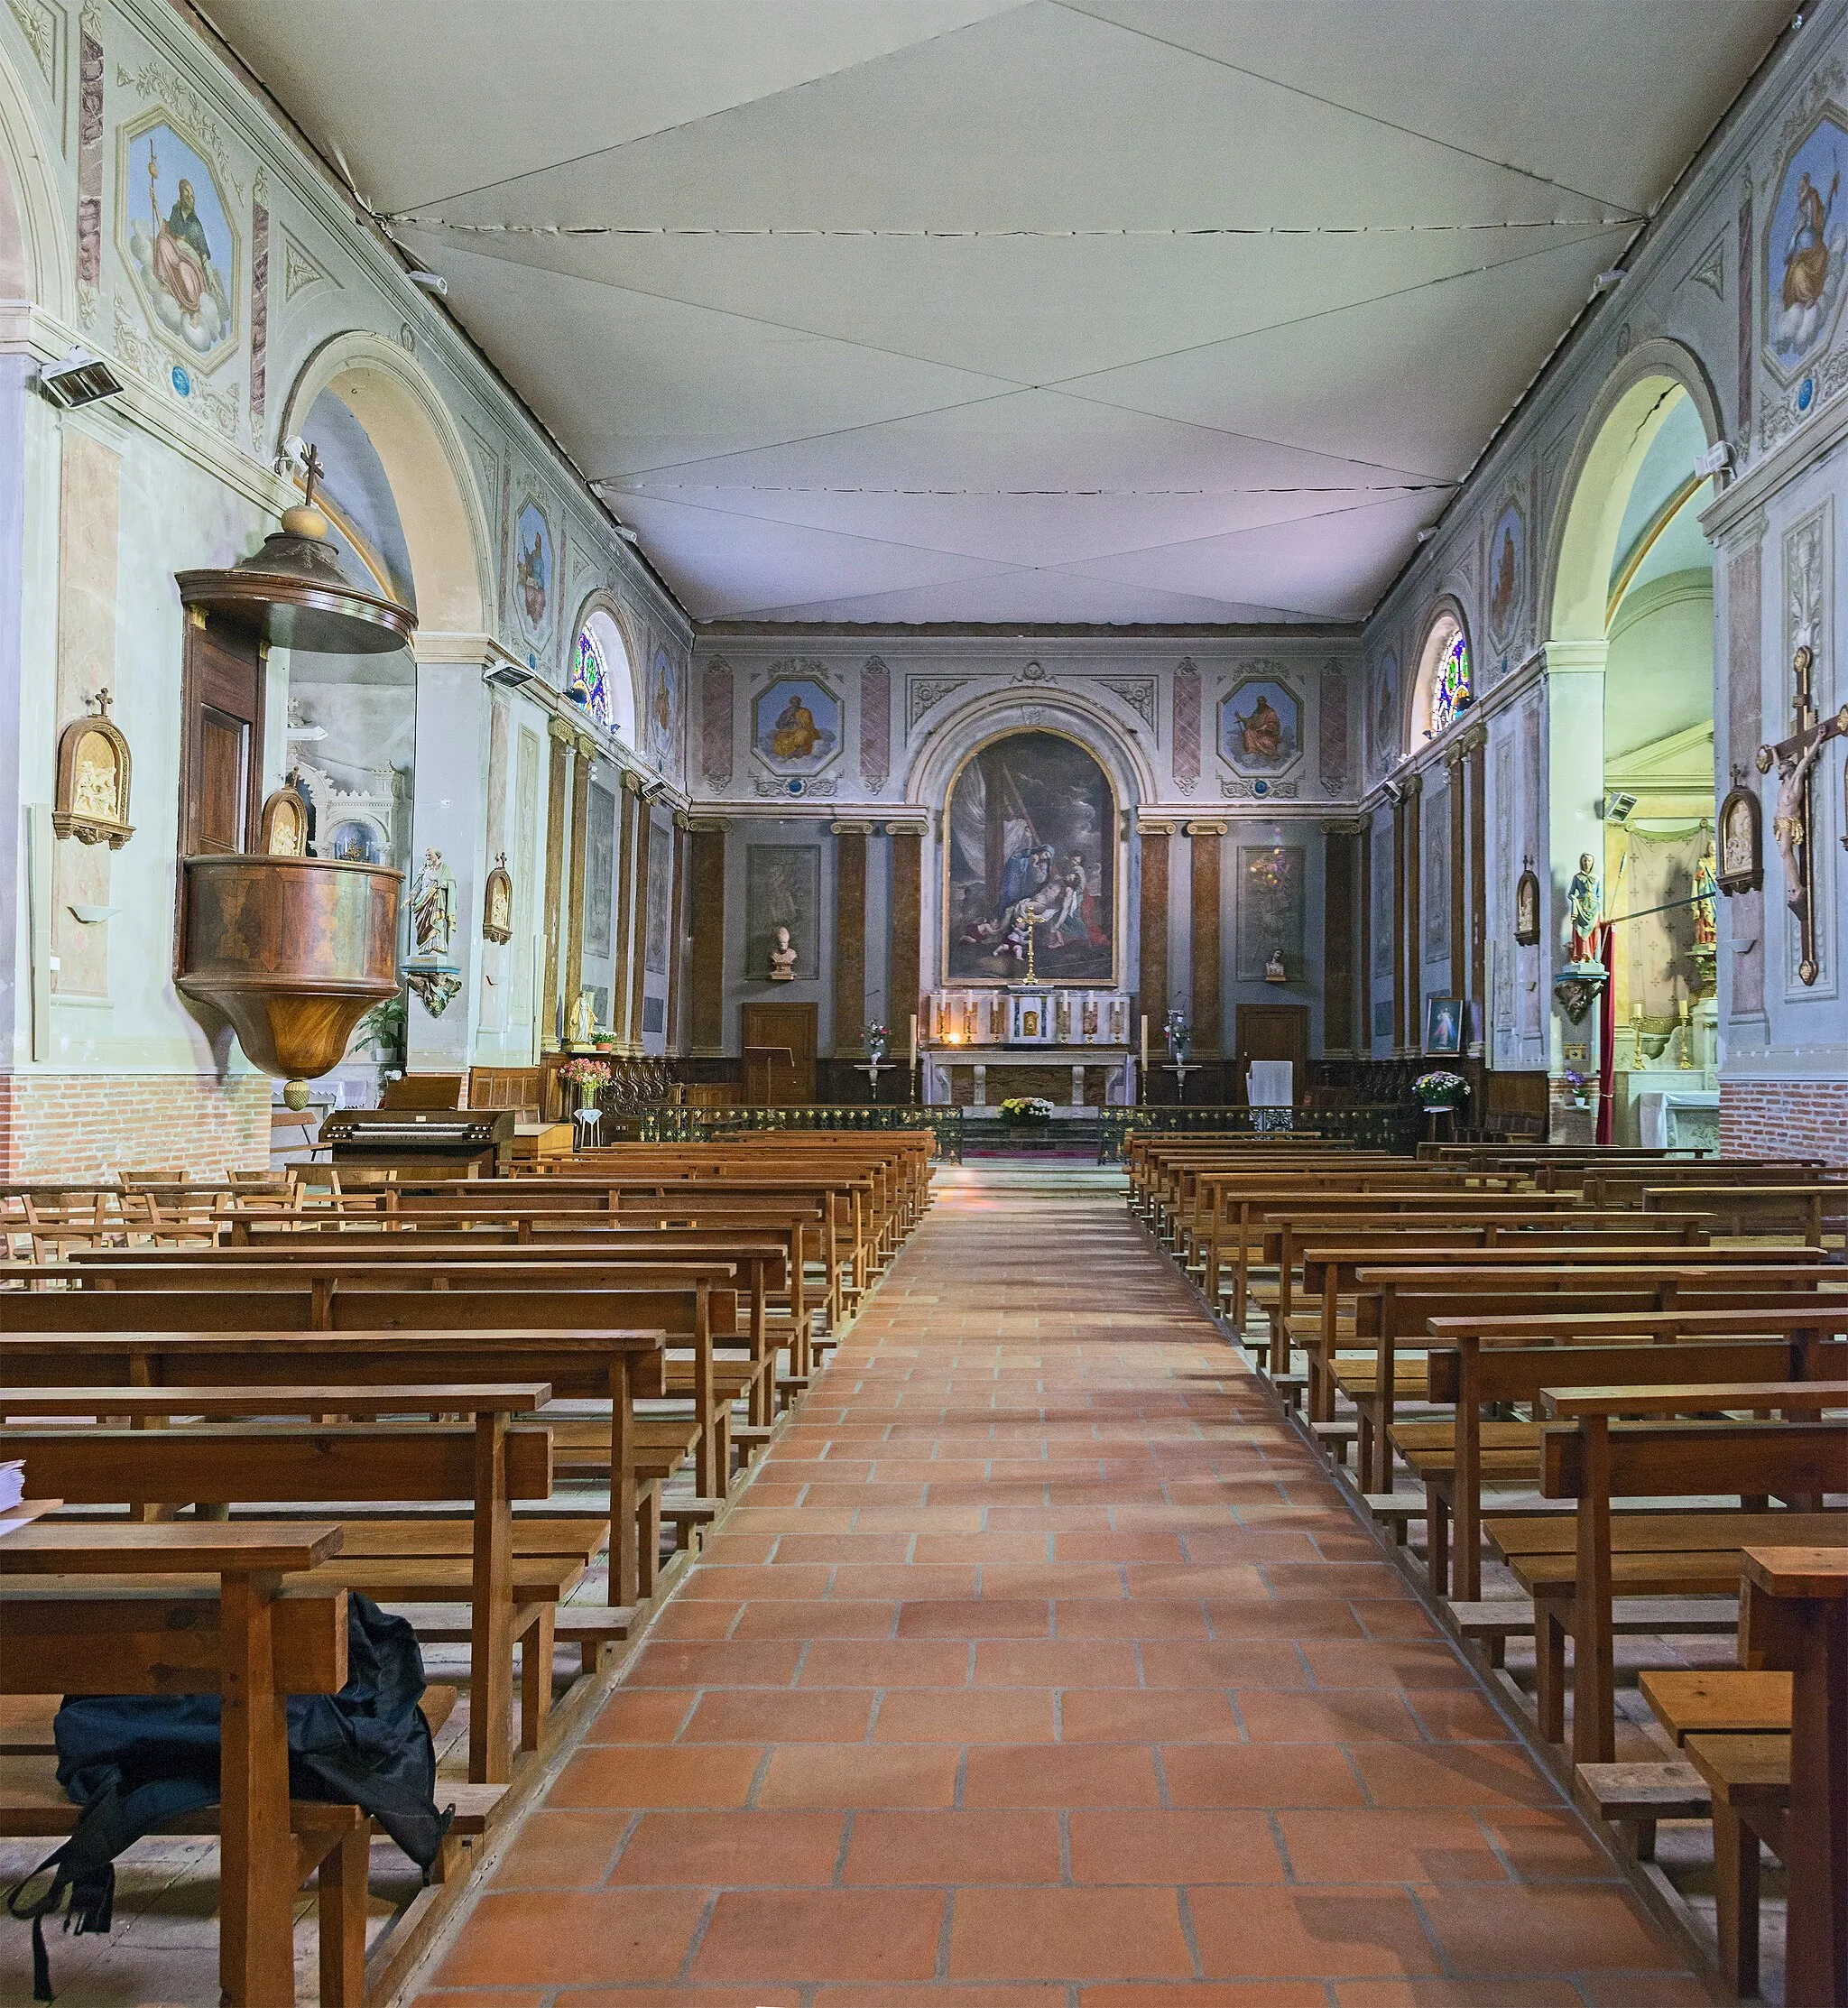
(134,1762)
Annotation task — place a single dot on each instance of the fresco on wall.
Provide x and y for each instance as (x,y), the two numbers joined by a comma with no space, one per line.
(1260,726)
(660,879)
(1382,715)
(1434,889)
(534,567)
(1805,242)
(1507,574)
(1268,900)
(782,889)
(180,240)
(665,710)
(1030,856)
(600,873)
(796,724)
(1381,927)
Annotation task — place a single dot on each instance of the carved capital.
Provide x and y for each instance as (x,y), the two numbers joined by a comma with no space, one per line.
(1208,829)
(1154,826)
(562,730)
(1344,826)
(851,830)
(632,782)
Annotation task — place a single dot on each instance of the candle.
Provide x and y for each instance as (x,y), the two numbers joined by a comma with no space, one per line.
(1145,1039)
(914,1039)
(1636,1011)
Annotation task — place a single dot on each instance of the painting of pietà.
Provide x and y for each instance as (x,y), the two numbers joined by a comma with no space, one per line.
(1030,865)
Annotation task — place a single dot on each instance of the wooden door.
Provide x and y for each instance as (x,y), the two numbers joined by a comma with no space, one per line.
(794,1025)
(221,745)
(1273,1032)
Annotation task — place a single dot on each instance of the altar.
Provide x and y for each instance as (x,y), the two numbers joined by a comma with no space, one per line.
(1068,1046)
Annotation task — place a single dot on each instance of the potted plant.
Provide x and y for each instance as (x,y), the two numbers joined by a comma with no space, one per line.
(1028,1111)
(1578,1089)
(586,1078)
(1441,1091)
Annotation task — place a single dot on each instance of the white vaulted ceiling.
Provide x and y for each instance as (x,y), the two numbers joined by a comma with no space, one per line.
(1110,310)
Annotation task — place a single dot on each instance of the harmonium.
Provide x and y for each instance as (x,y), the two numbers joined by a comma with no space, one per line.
(435,1143)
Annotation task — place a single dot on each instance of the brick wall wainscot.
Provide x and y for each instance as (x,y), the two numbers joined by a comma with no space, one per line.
(82,1126)
(1790,1118)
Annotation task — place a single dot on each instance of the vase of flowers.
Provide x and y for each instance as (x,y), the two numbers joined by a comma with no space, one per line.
(1441,1091)
(1180,1036)
(1030,1111)
(878,1042)
(587,1079)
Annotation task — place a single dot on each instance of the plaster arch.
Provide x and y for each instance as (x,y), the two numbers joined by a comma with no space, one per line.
(1618,432)
(992,714)
(439,505)
(35,242)
(602,605)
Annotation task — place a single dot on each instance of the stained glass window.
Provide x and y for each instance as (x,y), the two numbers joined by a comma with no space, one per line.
(1450,686)
(594,677)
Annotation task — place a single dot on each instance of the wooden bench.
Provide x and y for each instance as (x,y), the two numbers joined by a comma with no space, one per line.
(217,1464)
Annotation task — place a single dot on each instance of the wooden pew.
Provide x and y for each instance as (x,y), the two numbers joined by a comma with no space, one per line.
(1751,1336)
(1597,1459)
(228,1459)
(269,1644)
(599,1365)
(1391,1304)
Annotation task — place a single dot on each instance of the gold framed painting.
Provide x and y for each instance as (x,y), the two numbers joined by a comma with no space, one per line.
(91,801)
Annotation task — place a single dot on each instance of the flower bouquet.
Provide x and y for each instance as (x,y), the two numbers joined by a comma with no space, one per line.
(588,1077)
(1441,1089)
(878,1040)
(1026,1108)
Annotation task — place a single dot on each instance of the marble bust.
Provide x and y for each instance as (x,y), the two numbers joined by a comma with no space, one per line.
(783,958)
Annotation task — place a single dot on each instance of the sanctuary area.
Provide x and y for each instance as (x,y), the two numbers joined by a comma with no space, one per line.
(923,1032)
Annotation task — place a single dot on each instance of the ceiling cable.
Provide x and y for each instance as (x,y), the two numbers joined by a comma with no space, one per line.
(620,486)
(410,219)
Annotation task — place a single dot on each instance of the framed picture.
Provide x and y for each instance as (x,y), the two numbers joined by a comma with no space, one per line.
(91,803)
(1443,1025)
(497,905)
(1527,907)
(1741,840)
(283,829)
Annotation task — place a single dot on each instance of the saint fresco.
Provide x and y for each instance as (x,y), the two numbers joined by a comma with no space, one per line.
(796,724)
(1260,726)
(1804,244)
(663,724)
(1382,715)
(180,242)
(533,566)
(1030,860)
(1507,573)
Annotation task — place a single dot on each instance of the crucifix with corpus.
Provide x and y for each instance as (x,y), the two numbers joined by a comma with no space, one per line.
(1790,817)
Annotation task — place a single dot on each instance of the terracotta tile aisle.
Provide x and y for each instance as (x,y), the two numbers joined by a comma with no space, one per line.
(1041,1668)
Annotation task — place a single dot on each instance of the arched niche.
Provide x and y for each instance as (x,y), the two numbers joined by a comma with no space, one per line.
(599,621)
(439,510)
(1613,443)
(1433,697)
(987,720)
(36,243)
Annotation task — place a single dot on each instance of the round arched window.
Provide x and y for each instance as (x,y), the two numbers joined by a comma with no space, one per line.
(601,679)
(1445,687)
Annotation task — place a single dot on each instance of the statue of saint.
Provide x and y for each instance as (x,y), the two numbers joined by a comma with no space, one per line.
(1584,898)
(580,1022)
(433,907)
(1706,887)
(1788,821)
(782,959)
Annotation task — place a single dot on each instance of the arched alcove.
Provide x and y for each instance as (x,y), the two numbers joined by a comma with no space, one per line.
(35,242)
(439,513)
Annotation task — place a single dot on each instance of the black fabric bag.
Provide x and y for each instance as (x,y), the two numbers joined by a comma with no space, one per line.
(135,1763)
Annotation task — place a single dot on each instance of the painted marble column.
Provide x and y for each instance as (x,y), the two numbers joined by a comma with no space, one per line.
(1363,881)
(562,737)
(1459,865)
(706,969)
(905,984)
(573,884)
(636,883)
(1340,885)
(1574,794)
(631,815)
(1475,744)
(1151,1000)
(1399,811)
(677,933)
(850,939)
(1209,1008)
(448,815)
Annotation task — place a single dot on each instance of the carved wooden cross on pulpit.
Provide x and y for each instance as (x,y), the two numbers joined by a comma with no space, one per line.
(1790,816)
